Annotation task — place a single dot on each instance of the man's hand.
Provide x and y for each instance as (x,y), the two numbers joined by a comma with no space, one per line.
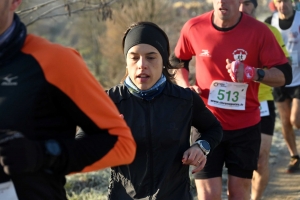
(20,155)
(240,72)
(195,88)
(194,156)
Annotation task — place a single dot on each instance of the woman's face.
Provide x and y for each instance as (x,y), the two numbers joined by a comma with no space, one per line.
(144,65)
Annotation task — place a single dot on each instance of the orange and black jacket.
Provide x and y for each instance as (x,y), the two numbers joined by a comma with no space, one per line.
(46,91)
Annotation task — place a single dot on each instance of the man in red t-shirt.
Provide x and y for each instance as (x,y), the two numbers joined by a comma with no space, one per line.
(230,54)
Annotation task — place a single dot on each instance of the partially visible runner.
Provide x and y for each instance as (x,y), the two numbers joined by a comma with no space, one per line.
(46,91)
(261,175)
(230,89)
(287,98)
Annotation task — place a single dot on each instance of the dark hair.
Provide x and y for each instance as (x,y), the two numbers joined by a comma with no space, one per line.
(168,71)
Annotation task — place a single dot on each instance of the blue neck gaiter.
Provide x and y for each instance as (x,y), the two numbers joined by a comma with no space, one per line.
(149,94)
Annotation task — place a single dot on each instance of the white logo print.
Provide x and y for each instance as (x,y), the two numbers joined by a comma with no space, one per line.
(8,81)
(240,54)
(205,53)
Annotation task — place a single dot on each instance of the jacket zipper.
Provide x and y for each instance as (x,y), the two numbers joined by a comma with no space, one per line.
(150,150)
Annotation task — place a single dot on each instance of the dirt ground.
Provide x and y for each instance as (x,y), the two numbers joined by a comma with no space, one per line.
(283,186)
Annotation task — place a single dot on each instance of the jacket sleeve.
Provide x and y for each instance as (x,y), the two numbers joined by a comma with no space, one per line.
(76,92)
(209,128)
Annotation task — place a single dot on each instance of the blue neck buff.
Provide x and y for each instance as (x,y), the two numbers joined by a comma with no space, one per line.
(12,40)
(149,94)
(7,33)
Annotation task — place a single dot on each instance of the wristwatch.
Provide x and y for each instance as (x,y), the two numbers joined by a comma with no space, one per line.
(261,74)
(204,146)
(52,151)
(52,148)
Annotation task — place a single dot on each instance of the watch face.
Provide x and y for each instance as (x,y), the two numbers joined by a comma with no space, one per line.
(261,73)
(53,148)
(205,145)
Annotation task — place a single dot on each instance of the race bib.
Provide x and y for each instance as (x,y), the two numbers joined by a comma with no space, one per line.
(228,95)
(264,109)
(294,56)
(7,191)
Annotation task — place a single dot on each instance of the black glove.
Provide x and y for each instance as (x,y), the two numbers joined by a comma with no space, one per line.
(19,154)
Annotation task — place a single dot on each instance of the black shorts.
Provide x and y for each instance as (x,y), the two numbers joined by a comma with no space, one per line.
(267,123)
(282,93)
(239,150)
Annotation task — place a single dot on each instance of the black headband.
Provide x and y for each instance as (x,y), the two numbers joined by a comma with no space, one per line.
(147,34)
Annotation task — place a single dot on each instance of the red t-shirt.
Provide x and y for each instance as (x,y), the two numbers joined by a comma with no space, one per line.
(250,40)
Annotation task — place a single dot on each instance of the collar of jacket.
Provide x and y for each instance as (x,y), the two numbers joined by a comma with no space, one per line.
(149,94)
(14,42)
(120,92)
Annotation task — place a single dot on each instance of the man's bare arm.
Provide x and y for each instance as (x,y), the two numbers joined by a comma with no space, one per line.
(182,77)
(273,77)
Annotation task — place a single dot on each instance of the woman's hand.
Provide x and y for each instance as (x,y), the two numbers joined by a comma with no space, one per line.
(194,156)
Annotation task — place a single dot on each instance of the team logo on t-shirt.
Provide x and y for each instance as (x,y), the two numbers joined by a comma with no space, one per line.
(293,38)
(294,34)
(240,54)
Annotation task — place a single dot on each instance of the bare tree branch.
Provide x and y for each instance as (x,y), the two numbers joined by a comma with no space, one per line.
(66,9)
(34,8)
